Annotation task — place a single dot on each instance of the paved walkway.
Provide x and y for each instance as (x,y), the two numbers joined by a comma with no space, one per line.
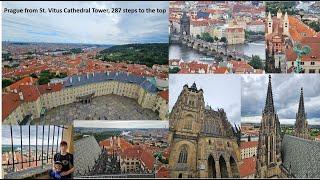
(109,107)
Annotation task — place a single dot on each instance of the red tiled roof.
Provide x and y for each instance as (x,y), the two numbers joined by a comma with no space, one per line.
(314,55)
(49,88)
(163,172)
(148,159)
(30,92)
(249,144)
(23,81)
(164,94)
(296,28)
(221,70)
(248,167)
(232,30)
(10,102)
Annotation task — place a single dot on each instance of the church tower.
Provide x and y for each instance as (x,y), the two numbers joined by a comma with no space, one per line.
(202,141)
(286,25)
(301,125)
(270,23)
(279,14)
(184,24)
(269,144)
(185,124)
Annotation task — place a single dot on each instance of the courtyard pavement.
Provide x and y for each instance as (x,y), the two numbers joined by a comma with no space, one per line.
(109,107)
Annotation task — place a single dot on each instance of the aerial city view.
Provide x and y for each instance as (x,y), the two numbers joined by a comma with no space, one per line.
(293,37)
(217,37)
(55,81)
(160,89)
(109,150)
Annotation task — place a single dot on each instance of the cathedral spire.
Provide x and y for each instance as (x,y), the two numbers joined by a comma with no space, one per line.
(269,106)
(194,86)
(301,111)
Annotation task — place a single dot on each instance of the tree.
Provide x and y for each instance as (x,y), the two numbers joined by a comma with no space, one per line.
(216,38)
(198,36)
(43,80)
(207,37)
(174,70)
(6,82)
(223,39)
(219,58)
(33,75)
(256,62)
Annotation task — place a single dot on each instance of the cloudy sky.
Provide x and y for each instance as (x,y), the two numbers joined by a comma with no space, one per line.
(286,94)
(112,28)
(6,135)
(122,124)
(220,91)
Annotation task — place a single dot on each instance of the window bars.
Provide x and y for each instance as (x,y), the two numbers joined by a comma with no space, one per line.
(12,165)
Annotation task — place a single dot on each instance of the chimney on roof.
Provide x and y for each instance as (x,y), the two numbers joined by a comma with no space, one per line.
(70,80)
(87,76)
(79,79)
(93,74)
(21,96)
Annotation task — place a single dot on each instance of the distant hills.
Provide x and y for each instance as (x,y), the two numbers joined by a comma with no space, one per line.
(148,54)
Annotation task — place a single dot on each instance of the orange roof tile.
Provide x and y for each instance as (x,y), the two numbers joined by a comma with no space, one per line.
(23,81)
(10,101)
(248,167)
(164,94)
(249,144)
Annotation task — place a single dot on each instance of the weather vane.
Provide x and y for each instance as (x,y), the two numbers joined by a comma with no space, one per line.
(300,51)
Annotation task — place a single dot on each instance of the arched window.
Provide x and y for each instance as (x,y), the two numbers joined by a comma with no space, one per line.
(188,122)
(183,156)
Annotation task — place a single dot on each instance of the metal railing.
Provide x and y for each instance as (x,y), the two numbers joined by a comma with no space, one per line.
(27,162)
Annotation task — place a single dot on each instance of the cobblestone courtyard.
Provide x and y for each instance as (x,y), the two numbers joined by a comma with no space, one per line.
(109,107)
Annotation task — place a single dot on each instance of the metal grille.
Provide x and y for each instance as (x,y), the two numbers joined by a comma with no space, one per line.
(35,152)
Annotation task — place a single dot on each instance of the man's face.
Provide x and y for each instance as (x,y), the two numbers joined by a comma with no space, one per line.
(63,148)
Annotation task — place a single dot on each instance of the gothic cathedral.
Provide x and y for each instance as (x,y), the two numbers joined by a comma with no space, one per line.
(269,144)
(203,142)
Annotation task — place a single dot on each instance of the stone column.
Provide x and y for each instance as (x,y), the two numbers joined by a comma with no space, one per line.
(229,169)
(218,173)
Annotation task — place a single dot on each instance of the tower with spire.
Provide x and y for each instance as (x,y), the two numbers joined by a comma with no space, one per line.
(270,24)
(269,144)
(286,25)
(301,124)
(203,142)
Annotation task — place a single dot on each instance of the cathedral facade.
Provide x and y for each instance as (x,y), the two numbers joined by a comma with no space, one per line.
(203,142)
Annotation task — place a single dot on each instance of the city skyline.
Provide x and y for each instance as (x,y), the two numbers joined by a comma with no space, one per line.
(112,28)
(6,137)
(286,92)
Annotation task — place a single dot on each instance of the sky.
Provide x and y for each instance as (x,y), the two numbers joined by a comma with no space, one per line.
(286,95)
(6,135)
(220,91)
(140,124)
(88,28)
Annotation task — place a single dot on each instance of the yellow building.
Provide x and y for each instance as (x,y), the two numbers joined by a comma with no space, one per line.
(30,100)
